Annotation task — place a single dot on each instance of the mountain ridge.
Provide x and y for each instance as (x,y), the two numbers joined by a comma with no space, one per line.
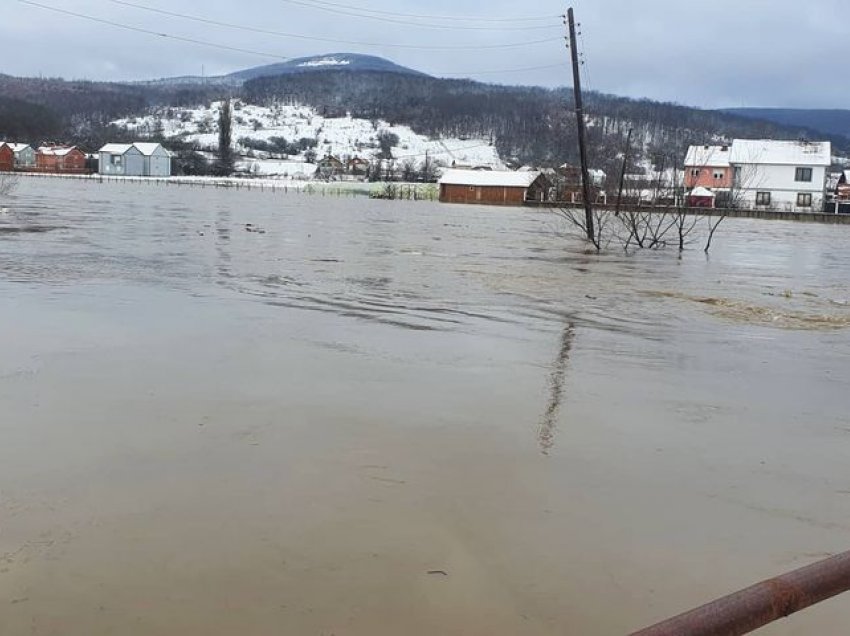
(528,124)
(352,62)
(831,121)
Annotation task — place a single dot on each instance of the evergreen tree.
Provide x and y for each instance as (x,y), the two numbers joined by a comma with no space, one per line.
(226,158)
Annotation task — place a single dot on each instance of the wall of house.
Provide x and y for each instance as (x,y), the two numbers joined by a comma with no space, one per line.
(7,159)
(73,162)
(25,158)
(780,181)
(45,162)
(485,195)
(134,163)
(158,165)
(705,178)
(105,165)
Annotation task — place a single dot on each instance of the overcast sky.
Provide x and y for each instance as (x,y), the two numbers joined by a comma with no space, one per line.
(721,53)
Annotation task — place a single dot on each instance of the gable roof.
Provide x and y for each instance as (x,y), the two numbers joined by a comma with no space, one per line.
(781,153)
(147,149)
(13,146)
(116,149)
(708,157)
(496,178)
(702,192)
(56,151)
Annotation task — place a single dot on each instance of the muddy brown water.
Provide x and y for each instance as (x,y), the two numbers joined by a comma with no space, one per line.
(379,418)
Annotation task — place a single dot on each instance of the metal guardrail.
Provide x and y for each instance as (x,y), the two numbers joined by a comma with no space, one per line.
(763,603)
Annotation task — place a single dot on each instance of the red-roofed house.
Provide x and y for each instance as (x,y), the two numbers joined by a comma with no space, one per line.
(60,159)
(7,158)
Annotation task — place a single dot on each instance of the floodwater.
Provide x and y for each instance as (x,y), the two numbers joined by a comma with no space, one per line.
(371,418)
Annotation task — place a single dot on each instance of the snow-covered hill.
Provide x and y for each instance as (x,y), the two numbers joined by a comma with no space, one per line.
(259,132)
(352,62)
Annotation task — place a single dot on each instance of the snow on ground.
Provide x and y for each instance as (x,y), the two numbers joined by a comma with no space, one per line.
(300,170)
(342,137)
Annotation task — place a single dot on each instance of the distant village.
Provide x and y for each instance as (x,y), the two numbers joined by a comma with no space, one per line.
(780,176)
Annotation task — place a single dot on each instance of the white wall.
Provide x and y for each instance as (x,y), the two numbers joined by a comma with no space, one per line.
(780,182)
(105,165)
(159,165)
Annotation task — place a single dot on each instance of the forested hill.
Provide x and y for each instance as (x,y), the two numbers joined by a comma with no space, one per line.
(829,121)
(528,125)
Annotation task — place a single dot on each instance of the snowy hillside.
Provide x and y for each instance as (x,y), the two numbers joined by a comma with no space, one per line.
(352,62)
(282,136)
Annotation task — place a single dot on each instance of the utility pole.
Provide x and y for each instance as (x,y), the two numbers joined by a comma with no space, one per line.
(623,171)
(582,132)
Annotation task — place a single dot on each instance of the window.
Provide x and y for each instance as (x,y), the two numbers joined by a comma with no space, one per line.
(804,200)
(116,160)
(695,172)
(803,174)
(718,175)
(762,198)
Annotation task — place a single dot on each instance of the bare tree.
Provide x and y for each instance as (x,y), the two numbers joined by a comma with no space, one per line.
(8,183)
(576,220)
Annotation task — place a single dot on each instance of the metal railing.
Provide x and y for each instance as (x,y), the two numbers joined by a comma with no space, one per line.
(763,603)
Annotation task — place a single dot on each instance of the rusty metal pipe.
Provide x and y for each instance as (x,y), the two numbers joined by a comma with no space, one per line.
(761,604)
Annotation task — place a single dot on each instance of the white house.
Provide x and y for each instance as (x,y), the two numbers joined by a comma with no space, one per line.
(24,155)
(135,160)
(780,175)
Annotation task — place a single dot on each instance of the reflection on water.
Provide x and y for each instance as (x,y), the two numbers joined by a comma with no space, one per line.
(210,429)
(549,422)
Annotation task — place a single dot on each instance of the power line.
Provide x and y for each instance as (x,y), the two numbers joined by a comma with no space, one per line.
(507,70)
(155,33)
(226,47)
(250,29)
(414,23)
(439,17)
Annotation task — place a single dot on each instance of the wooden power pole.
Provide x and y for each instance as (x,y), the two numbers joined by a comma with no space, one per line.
(623,172)
(582,131)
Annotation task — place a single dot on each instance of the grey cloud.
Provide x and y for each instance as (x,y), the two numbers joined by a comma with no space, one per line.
(726,53)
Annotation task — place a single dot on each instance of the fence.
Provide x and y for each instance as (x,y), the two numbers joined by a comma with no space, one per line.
(405,191)
(774,215)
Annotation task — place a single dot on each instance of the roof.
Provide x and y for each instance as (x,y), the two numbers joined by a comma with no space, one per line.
(14,147)
(56,151)
(781,153)
(708,157)
(702,192)
(496,178)
(116,149)
(147,149)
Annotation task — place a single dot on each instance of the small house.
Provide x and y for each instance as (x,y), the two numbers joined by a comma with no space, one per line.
(24,156)
(329,166)
(493,187)
(358,167)
(135,160)
(7,158)
(708,167)
(701,198)
(64,159)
